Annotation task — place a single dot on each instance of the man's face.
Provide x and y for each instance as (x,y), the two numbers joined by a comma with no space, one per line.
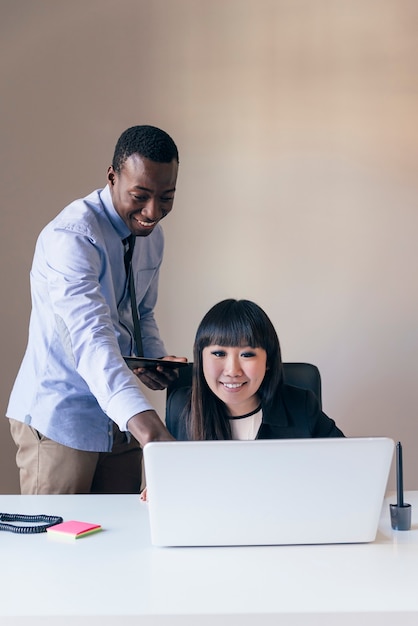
(143,192)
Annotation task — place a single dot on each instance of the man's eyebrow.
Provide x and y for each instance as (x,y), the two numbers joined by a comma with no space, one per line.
(151,191)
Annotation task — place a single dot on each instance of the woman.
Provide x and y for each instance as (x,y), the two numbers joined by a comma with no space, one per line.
(238,390)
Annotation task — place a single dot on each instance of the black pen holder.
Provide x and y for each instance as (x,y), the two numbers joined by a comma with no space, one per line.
(400,516)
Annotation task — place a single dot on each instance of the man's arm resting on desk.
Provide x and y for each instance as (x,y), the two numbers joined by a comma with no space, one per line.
(147,426)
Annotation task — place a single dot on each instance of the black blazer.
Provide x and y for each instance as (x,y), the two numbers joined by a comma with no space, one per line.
(294,414)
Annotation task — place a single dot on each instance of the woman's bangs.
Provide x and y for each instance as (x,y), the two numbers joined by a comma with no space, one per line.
(233,333)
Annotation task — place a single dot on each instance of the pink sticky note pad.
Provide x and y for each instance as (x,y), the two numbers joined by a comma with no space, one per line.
(73,529)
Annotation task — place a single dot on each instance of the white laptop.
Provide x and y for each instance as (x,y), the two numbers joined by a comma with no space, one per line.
(266,492)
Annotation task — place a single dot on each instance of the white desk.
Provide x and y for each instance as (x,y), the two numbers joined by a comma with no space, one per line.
(117,577)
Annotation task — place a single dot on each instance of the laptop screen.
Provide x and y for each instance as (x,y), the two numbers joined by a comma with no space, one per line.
(266,492)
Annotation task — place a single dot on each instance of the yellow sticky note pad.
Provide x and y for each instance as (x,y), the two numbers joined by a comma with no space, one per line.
(72,529)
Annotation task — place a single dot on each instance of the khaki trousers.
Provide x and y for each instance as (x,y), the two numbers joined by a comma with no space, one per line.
(47,467)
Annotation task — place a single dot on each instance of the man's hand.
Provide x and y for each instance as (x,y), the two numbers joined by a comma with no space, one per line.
(160,377)
(147,427)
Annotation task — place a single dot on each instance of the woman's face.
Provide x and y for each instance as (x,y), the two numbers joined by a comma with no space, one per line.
(234,375)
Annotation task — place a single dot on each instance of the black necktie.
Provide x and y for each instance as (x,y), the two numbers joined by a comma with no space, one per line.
(129,244)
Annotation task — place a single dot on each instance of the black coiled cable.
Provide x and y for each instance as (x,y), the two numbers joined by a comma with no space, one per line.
(49,520)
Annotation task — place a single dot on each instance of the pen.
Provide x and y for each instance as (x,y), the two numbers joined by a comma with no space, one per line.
(399,473)
(400,513)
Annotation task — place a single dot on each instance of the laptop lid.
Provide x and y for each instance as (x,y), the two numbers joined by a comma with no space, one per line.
(266,492)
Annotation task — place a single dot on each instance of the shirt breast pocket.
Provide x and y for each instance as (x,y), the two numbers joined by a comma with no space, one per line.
(146,285)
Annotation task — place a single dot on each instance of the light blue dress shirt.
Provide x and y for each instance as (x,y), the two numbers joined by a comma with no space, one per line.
(73,380)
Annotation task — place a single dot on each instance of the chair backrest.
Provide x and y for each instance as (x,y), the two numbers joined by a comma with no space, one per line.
(304,375)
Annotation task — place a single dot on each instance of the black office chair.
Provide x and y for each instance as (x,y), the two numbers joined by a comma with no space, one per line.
(304,375)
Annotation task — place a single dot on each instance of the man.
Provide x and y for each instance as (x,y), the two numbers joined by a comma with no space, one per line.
(76,410)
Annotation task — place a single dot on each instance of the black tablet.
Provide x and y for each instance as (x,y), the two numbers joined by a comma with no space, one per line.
(138,361)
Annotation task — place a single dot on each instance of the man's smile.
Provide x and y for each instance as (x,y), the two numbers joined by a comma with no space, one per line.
(145,224)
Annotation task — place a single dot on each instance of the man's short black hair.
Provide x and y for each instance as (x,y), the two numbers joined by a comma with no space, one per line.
(148,141)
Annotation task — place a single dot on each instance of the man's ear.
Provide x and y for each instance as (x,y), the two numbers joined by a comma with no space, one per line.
(111,175)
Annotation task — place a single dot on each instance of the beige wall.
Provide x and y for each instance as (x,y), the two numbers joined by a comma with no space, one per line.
(297,127)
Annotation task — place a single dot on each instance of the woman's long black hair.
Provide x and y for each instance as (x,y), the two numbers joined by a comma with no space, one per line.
(230,323)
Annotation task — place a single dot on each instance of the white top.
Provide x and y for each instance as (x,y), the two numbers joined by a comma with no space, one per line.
(246,428)
(117,577)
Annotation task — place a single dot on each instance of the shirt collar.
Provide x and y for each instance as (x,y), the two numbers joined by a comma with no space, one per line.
(114,218)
